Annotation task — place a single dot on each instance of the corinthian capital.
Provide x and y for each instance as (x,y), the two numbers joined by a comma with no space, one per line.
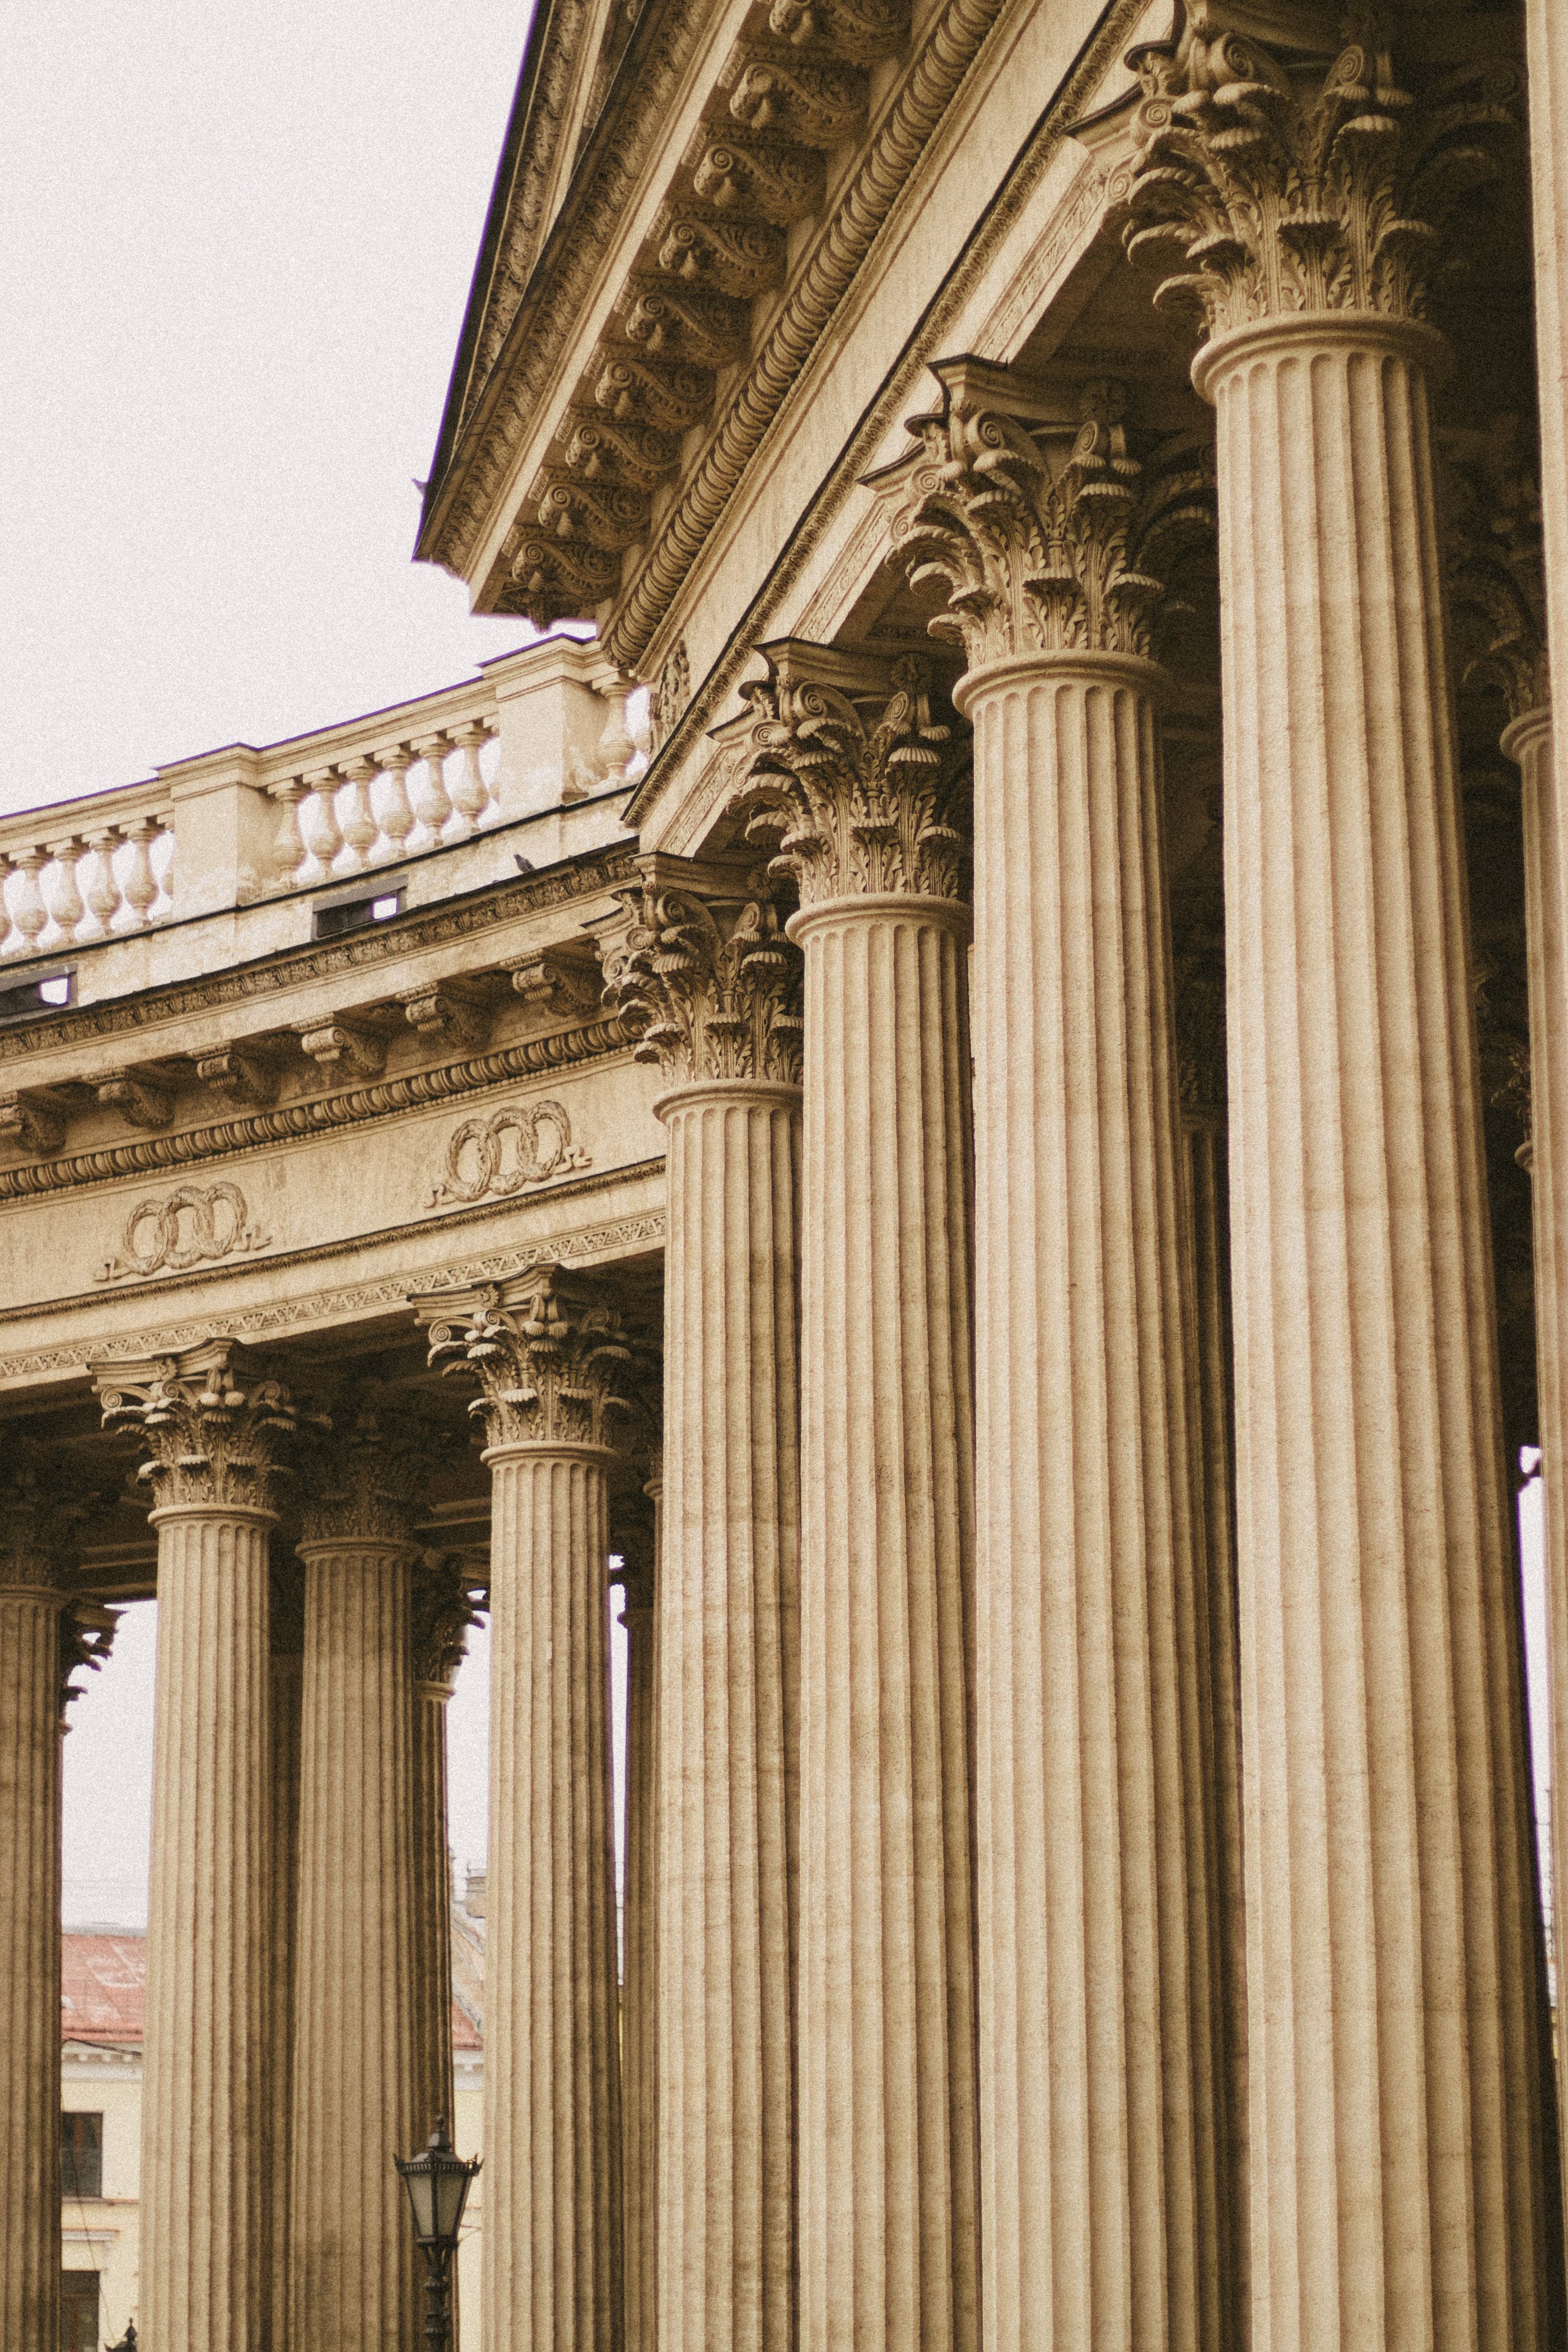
(444,1609)
(39,1516)
(1048,536)
(1496,565)
(547,1349)
(1298,174)
(214,1419)
(363,1480)
(706,983)
(846,773)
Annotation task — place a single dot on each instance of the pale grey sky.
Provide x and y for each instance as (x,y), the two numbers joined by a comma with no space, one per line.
(236,247)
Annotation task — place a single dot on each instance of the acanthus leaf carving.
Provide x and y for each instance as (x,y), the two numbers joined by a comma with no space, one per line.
(444,1606)
(196,1224)
(861,30)
(363,1477)
(34,1118)
(852,780)
(818,103)
(1496,563)
(738,257)
(549,1350)
(709,988)
(1273,181)
(216,1421)
(606,448)
(1045,538)
(781,183)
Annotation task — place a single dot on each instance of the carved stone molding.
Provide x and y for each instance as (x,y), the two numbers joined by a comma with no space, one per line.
(1274,179)
(845,772)
(478,1163)
(710,987)
(557,981)
(548,1348)
(449,1012)
(362,1479)
(142,1096)
(1048,537)
(34,1118)
(239,1076)
(215,1419)
(1495,564)
(169,1233)
(316,1115)
(345,1047)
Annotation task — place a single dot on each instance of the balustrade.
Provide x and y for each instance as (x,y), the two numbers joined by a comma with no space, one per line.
(102,884)
(342,819)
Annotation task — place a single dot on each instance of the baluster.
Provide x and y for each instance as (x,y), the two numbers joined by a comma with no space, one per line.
(163,835)
(321,833)
(29,913)
(432,806)
(66,900)
(7,868)
(360,830)
(289,844)
(472,796)
(102,888)
(398,822)
(615,745)
(141,884)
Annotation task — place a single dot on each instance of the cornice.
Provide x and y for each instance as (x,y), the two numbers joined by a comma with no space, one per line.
(318,1115)
(584,877)
(623,1238)
(1072,231)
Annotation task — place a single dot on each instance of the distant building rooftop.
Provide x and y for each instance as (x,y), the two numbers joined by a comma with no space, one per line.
(103,1992)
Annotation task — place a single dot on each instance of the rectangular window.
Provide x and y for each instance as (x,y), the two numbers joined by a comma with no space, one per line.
(353,914)
(81,2156)
(26,998)
(78,2311)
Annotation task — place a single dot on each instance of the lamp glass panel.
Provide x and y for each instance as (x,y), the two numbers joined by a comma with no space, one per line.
(451,2195)
(421,2186)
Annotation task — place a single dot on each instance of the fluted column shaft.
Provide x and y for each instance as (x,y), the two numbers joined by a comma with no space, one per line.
(206,2099)
(287,1675)
(1391,2036)
(1101,2206)
(551,2270)
(432,1920)
(353,2265)
(1212,1407)
(887,2162)
(30,1966)
(727,1613)
(639,1975)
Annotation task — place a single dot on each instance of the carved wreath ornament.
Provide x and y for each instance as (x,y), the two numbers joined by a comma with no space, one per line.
(505,1153)
(187,1227)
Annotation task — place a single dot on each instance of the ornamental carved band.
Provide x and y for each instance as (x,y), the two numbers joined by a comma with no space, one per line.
(1047,539)
(849,777)
(1271,182)
(710,989)
(215,1420)
(549,1353)
(362,1483)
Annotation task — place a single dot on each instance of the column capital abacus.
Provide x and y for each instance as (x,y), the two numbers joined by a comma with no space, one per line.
(845,769)
(1297,176)
(215,1419)
(361,1481)
(549,1351)
(1052,537)
(706,981)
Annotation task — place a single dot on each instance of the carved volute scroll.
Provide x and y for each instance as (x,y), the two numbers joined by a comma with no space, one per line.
(1046,538)
(215,1419)
(548,1350)
(363,1480)
(708,987)
(846,771)
(1273,180)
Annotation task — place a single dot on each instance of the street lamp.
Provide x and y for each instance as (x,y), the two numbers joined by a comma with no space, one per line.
(437,2183)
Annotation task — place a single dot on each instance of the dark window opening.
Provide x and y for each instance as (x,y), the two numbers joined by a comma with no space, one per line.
(355,914)
(81,2156)
(28,998)
(78,2311)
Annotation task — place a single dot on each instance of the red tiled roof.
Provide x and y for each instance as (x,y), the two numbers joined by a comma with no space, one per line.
(103,1989)
(104,1993)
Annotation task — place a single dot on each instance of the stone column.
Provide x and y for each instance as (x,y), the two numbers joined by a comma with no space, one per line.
(852,774)
(1396,2097)
(639,1948)
(710,989)
(287,1677)
(213,1418)
(548,1354)
(1102,2214)
(30,1692)
(355,2272)
(442,1614)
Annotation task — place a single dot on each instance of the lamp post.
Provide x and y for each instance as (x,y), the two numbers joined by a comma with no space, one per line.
(437,2183)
